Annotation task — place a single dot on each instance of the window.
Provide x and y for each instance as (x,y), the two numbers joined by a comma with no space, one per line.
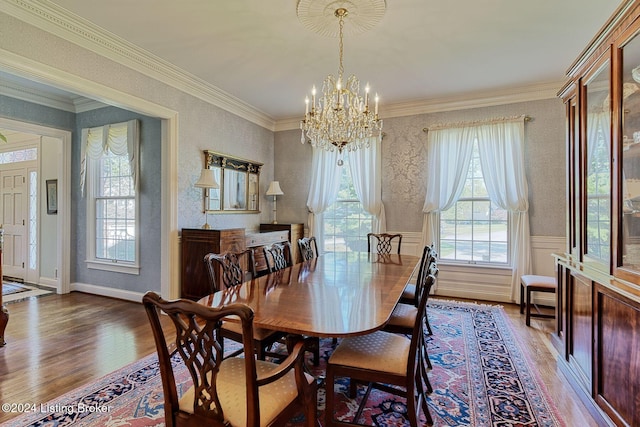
(346,223)
(474,230)
(112,198)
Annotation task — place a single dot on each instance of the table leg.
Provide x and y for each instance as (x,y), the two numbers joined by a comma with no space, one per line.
(4,319)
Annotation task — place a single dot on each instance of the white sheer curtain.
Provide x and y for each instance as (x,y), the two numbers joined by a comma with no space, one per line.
(448,156)
(501,150)
(366,173)
(119,138)
(323,191)
(598,123)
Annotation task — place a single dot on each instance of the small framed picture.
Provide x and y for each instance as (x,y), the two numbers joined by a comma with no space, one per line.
(52,196)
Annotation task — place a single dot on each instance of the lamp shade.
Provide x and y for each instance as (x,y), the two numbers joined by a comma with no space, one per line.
(274,189)
(207,179)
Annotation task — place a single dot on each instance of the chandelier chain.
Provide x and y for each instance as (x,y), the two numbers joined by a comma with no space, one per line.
(341,67)
(339,117)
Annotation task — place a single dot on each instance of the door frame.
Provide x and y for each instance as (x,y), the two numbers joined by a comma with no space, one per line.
(63,221)
(14,63)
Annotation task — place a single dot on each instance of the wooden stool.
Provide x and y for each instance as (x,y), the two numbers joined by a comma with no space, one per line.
(533,283)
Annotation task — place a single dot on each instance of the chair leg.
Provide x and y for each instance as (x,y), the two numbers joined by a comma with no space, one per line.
(412,411)
(426,353)
(261,351)
(316,351)
(528,304)
(521,299)
(430,332)
(329,398)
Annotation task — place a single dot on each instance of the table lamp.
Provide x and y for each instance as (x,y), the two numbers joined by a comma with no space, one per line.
(206,181)
(274,190)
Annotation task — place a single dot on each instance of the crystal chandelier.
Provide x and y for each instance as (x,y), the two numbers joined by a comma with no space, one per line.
(340,118)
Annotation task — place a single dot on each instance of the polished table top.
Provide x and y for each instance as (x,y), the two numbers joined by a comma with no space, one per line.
(335,295)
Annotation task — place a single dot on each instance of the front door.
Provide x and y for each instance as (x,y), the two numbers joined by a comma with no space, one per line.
(14,218)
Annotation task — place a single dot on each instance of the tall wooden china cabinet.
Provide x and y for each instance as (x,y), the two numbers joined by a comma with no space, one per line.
(598,309)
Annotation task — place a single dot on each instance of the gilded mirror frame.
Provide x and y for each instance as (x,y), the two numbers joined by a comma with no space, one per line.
(239,181)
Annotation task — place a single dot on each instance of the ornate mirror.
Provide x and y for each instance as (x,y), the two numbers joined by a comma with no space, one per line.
(239,181)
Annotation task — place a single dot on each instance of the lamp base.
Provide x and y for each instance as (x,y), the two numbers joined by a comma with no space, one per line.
(206,225)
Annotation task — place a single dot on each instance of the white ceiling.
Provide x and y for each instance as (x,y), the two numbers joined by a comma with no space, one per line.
(421,50)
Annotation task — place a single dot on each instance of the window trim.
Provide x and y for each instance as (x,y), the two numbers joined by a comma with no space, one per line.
(476,263)
(91,261)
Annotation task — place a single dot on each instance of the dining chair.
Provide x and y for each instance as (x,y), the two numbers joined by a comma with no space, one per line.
(237,391)
(235,268)
(404,315)
(233,271)
(409,292)
(383,242)
(278,256)
(308,248)
(385,361)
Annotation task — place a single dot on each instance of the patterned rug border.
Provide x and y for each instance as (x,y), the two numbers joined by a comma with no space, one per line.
(138,371)
(516,340)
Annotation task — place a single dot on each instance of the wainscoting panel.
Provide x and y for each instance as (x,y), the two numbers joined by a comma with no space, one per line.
(491,284)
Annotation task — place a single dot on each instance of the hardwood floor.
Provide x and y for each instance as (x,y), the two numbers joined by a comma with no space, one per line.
(56,343)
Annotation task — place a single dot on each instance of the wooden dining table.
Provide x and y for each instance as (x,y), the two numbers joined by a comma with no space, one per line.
(337,294)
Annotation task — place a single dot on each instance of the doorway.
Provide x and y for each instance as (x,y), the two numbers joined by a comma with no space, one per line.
(36,241)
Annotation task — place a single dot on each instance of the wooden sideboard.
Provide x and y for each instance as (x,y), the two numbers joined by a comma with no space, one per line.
(296,231)
(196,243)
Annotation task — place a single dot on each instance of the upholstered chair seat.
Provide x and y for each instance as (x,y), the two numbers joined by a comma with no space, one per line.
(379,351)
(231,387)
(225,391)
(403,316)
(393,363)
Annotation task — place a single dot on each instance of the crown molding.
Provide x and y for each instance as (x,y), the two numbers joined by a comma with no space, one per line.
(55,20)
(37,97)
(535,92)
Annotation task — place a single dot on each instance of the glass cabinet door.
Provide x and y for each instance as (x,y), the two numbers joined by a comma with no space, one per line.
(630,185)
(598,166)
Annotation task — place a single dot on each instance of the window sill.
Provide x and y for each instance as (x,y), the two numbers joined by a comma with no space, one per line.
(114,267)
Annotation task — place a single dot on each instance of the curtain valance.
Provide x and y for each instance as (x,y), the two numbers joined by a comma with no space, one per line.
(119,138)
(440,126)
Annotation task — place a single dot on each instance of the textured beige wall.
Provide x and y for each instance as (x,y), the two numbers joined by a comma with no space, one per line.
(404,170)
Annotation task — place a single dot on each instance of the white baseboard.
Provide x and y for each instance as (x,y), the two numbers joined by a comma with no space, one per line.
(107,292)
(48,282)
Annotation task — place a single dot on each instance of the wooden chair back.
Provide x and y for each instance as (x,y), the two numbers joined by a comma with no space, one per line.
(278,256)
(229,268)
(198,348)
(308,248)
(196,344)
(383,242)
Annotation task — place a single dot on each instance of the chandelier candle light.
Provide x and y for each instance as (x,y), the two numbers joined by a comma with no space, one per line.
(340,118)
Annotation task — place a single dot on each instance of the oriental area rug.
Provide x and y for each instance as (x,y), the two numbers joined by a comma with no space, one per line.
(14,291)
(480,377)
